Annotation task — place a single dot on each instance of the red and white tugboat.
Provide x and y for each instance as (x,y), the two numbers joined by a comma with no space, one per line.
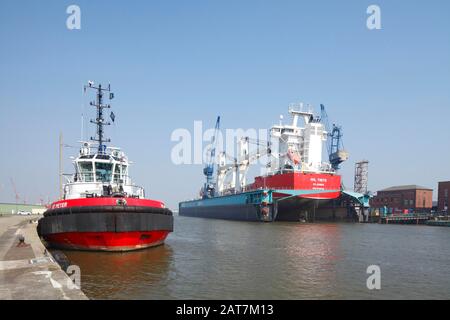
(101,208)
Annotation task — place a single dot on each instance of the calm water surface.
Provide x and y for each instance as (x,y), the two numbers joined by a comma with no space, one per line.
(215,259)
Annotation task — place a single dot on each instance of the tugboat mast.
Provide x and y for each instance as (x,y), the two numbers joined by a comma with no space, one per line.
(100,121)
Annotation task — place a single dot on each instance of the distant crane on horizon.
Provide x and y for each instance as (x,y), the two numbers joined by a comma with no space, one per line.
(16,194)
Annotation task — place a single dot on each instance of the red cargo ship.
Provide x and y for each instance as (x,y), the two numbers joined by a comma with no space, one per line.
(296,183)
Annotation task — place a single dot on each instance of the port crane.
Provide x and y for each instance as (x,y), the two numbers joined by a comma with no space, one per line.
(209,188)
(335,147)
(16,194)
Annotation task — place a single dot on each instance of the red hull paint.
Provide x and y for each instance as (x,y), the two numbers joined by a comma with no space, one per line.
(302,181)
(107,241)
(105,201)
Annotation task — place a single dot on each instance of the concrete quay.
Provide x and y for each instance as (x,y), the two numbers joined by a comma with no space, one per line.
(27,270)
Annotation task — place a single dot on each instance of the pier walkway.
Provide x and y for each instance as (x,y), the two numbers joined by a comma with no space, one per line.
(405,218)
(438,223)
(27,270)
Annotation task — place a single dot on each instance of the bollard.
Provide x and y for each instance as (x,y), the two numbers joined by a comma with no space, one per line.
(21,241)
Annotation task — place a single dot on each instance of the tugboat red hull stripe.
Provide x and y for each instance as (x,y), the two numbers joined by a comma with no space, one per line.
(106,201)
(107,241)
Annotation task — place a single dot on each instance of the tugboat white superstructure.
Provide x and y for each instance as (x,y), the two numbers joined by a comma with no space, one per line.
(100,174)
(101,208)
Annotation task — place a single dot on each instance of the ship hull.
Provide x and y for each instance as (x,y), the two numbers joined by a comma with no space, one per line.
(299,181)
(106,241)
(263,206)
(106,224)
(282,197)
(302,209)
(243,212)
(293,210)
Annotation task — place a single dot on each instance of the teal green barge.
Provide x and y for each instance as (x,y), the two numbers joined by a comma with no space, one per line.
(266,205)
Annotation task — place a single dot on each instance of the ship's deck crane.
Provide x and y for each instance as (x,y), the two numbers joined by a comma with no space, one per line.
(239,166)
(335,147)
(208,170)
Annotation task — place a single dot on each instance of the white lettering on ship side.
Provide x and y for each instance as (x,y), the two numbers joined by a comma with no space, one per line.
(59,205)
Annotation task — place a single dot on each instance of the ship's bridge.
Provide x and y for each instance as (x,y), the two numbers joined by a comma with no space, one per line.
(101,174)
(101,168)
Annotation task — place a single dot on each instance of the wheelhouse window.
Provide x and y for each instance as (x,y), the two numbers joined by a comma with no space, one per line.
(124,172)
(103,171)
(86,173)
(117,173)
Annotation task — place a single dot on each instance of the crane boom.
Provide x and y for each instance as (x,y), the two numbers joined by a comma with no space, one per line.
(208,170)
(335,147)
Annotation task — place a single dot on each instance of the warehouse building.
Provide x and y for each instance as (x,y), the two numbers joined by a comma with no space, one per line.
(402,199)
(443,192)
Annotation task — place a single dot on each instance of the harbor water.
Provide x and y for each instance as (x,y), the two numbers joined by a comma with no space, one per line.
(216,259)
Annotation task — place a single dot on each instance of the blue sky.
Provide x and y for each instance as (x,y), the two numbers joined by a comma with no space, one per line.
(173,62)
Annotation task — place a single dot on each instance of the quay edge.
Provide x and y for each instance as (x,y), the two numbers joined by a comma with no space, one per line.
(30,272)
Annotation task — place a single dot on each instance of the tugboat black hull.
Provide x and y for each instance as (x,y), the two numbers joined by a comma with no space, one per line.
(106,228)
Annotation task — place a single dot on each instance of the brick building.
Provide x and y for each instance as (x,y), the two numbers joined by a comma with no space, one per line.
(400,198)
(443,195)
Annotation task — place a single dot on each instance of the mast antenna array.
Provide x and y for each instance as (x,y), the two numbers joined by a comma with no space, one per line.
(100,121)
